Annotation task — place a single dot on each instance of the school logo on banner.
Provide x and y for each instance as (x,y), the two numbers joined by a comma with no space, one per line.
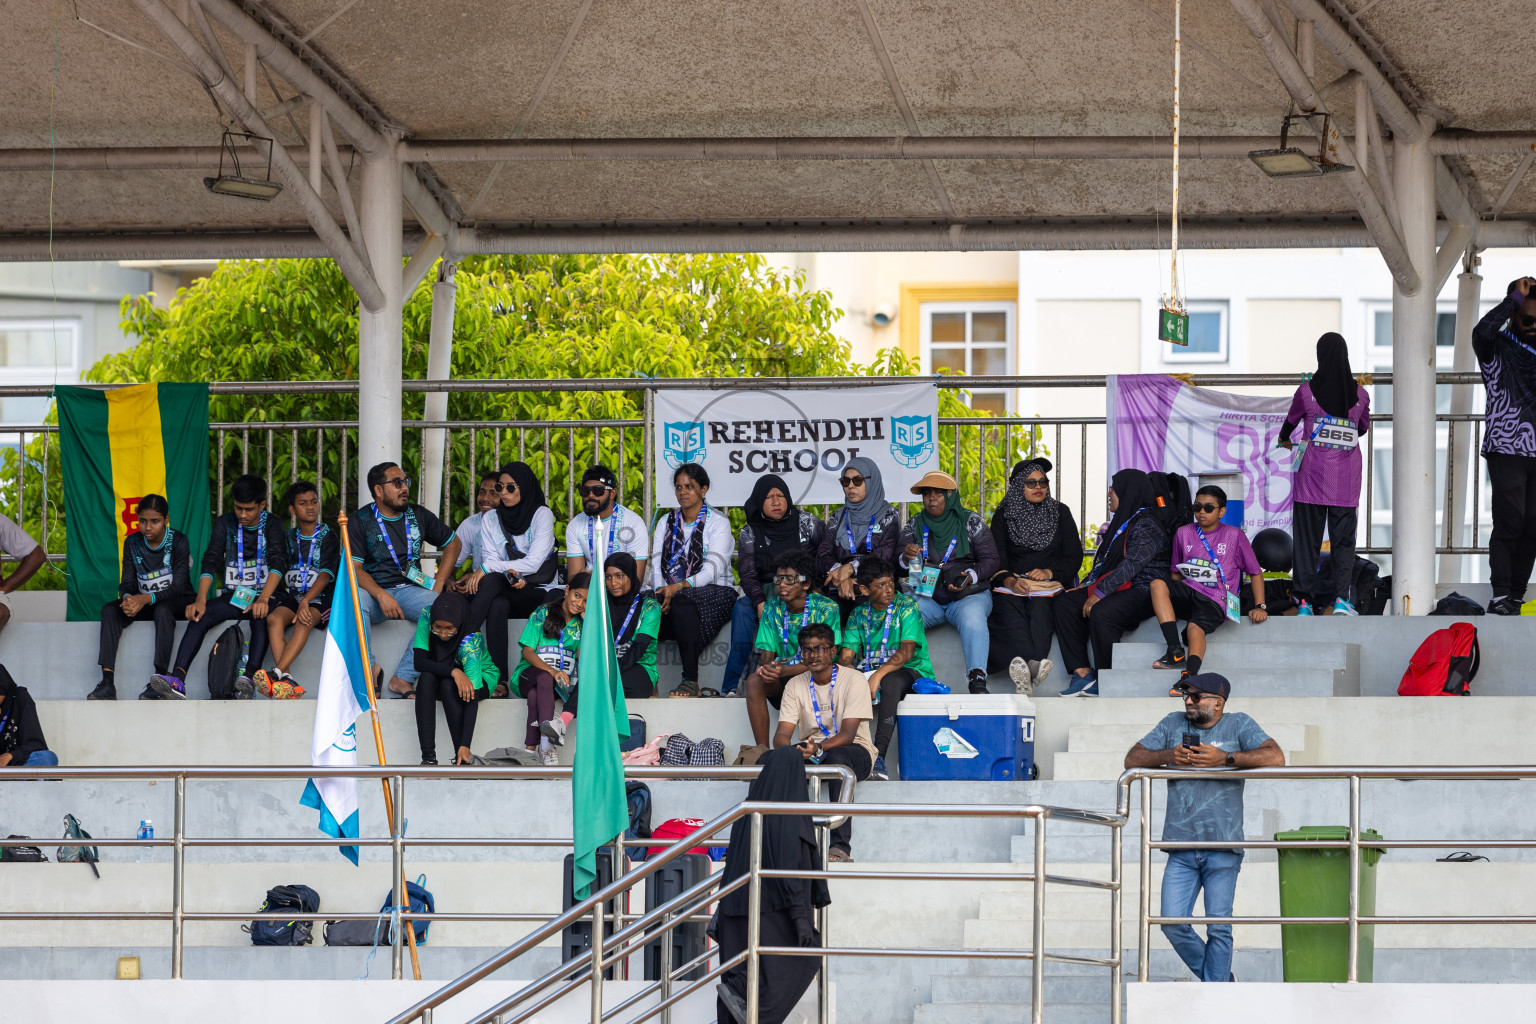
(911,439)
(684,442)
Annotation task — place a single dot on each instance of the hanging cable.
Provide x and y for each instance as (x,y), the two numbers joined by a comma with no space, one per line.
(1173,323)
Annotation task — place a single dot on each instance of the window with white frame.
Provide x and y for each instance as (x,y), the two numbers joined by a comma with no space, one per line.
(1207,335)
(44,351)
(975,339)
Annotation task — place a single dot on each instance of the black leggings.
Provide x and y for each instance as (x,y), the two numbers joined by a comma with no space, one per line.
(1110,619)
(895,686)
(221,610)
(1512,545)
(164,614)
(1307,525)
(496,601)
(430,690)
(1020,627)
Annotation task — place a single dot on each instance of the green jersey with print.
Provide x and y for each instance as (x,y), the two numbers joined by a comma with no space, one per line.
(779,630)
(471,655)
(557,652)
(874,636)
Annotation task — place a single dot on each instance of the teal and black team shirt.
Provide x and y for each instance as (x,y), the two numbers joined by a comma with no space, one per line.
(1205,810)
(407,532)
(559,652)
(779,630)
(471,655)
(872,645)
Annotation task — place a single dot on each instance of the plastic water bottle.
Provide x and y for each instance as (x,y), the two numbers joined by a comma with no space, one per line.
(146,831)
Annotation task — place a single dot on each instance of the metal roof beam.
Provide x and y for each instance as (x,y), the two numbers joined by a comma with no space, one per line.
(1394,110)
(1463,223)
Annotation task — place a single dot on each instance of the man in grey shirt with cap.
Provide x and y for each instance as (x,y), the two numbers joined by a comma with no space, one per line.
(1204,810)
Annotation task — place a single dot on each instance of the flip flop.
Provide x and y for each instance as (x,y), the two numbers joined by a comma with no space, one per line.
(686,688)
(708,691)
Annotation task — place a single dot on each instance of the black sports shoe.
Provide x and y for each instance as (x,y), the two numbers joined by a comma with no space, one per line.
(104,691)
(1172,658)
(150,694)
(976,681)
(1506,605)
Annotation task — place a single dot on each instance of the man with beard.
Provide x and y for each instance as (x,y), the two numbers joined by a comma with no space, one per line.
(1507,355)
(599,492)
(1204,810)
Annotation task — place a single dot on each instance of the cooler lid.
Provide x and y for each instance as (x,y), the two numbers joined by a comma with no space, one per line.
(956,704)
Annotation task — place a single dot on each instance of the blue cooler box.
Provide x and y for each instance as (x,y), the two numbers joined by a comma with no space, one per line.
(966,736)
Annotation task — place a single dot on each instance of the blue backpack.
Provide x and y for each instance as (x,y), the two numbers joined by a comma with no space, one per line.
(639,796)
(421,903)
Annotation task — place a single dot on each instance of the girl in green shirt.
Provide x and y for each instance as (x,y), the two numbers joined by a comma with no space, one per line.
(551,643)
(455,670)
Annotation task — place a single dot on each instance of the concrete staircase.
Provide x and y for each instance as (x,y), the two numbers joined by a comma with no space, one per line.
(1265,669)
(1098,751)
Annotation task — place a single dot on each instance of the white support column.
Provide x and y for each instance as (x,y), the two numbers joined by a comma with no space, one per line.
(380,334)
(1463,459)
(439,367)
(1413,386)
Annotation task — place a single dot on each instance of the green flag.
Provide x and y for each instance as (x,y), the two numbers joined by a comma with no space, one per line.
(597,784)
(116,447)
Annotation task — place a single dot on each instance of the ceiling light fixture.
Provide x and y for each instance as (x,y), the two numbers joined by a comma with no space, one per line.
(1290,162)
(237,184)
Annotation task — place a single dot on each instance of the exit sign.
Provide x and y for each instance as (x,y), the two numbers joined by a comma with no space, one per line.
(1172,327)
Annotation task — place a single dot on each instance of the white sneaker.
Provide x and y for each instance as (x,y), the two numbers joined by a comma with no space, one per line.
(555,730)
(1046,664)
(1023,683)
(549,757)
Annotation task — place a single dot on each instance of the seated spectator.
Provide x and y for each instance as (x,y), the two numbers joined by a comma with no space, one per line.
(18,544)
(866,525)
(314,559)
(833,722)
(636,621)
(600,510)
(245,560)
(517,564)
(1117,594)
(951,571)
(453,669)
(884,639)
(774,527)
(551,643)
(156,587)
(487,497)
(1040,552)
(1209,559)
(691,572)
(785,614)
(21,734)
(386,538)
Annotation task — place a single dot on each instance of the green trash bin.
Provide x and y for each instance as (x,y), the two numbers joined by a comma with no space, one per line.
(1315,883)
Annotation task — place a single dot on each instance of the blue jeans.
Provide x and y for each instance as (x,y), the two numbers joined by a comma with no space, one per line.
(969,616)
(41,759)
(1188,872)
(413,600)
(743,633)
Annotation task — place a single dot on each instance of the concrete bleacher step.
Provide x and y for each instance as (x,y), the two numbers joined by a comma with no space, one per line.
(1059,988)
(1242,657)
(1009,1013)
(1273,680)
(1116,737)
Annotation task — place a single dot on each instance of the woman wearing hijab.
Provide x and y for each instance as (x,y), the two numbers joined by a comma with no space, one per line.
(1040,552)
(1116,594)
(518,560)
(786,905)
(774,526)
(867,525)
(690,572)
(454,670)
(21,734)
(636,622)
(1332,412)
(551,643)
(950,558)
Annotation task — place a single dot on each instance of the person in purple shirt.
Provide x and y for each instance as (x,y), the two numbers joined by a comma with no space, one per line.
(1332,411)
(1209,559)
(1507,355)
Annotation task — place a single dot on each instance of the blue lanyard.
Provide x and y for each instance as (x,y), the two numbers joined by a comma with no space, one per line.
(1510,335)
(885,632)
(613,524)
(679,550)
(805,617)
(625,624)
(947,551)
(412,536)
(1219,571)
(869,535)
(7,718)
(816,705)
(261,543)
(307,566)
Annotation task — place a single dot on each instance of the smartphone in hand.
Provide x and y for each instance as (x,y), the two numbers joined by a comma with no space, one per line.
(1191,739)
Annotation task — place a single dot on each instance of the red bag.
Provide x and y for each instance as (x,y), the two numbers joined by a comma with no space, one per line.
(675,828)
(1444,665)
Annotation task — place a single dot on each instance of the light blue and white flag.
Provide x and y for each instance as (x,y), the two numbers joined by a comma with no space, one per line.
(343,696)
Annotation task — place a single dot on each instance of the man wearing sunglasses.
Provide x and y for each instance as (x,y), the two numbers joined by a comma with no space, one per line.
(1505,344)
(386,539)
(625,530)
(1204,810)
(1209,559)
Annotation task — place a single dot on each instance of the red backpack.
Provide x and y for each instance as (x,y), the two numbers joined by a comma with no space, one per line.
(1444,665)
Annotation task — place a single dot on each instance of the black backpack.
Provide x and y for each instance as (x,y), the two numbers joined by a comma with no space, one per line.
(1173,503)
(638,795)
(226,661)
(22,854)
(300,898)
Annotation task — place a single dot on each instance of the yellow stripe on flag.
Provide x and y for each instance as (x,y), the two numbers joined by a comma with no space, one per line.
(138,453)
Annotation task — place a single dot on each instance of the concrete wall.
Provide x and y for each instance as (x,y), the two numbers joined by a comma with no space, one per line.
(1285,1004)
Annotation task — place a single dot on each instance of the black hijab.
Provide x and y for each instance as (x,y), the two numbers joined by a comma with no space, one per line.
(618,607)
(450,606)
(781,781)
(7,684)
(774,536)
(1134,492)
(1333,385)
(516,520)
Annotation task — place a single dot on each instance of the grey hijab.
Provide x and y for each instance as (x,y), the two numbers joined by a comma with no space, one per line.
(1031,525)
(857,514)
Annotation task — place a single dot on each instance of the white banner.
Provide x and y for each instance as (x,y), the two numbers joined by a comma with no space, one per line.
(806,437)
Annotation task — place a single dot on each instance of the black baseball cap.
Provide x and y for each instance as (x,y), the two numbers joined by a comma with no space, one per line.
(1213,683)
(602,474)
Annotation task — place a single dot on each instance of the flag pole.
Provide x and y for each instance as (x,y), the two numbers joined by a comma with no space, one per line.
(378,735)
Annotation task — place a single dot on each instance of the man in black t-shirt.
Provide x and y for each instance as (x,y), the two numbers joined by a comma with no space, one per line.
(386,539)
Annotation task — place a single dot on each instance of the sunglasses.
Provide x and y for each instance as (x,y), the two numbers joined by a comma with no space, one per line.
(1206,507)
(1196,698)
(1525,321)
(505,488)
(593,490)
(1036,481)
(399,481)
(788,581)
(851,481)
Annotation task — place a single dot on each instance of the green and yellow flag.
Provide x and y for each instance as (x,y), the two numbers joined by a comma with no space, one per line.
(118,446)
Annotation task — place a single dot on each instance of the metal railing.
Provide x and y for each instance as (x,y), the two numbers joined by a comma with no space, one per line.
(1354,919)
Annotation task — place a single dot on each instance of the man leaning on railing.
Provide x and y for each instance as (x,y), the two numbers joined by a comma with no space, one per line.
(1204,810)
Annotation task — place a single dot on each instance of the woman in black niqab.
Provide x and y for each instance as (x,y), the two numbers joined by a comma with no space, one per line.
(786,919)
(1333,385)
